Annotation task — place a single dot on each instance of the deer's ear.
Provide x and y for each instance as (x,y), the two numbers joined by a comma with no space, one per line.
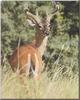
(30,23)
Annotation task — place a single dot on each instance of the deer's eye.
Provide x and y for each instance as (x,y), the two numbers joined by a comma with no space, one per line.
(40,27)
(49,26)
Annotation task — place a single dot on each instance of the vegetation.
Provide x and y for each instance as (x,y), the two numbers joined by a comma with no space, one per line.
(59,75)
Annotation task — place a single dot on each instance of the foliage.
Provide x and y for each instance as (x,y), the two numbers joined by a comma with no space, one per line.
(14,27)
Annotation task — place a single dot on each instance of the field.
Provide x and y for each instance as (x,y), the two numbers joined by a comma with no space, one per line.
(14,86)
(58,85)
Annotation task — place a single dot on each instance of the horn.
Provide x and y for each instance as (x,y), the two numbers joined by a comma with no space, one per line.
(32,17)
(55,9)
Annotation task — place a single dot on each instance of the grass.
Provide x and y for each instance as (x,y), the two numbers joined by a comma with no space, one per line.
(19,87)
(61,86)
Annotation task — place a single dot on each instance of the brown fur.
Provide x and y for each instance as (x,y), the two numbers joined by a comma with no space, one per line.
(23,57)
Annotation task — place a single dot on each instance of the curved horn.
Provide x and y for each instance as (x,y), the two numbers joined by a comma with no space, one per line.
(55,8)
(32,17)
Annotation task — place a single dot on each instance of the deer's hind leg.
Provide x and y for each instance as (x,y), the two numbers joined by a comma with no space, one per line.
(28,65)
(25,63)
(37,67)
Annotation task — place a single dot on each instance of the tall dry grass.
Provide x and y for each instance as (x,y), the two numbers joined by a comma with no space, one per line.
(19,86)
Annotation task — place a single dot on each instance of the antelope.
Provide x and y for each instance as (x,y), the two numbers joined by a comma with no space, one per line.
(29,56)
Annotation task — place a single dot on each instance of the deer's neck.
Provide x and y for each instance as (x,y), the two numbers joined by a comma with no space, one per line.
(43,45)
(41,42)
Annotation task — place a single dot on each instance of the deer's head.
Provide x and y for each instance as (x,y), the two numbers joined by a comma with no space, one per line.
(42,22)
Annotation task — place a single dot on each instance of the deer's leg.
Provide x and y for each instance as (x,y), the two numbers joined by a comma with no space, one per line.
(36,74)
(28,64)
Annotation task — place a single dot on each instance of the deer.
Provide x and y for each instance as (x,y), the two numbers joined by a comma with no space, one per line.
(29,56)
